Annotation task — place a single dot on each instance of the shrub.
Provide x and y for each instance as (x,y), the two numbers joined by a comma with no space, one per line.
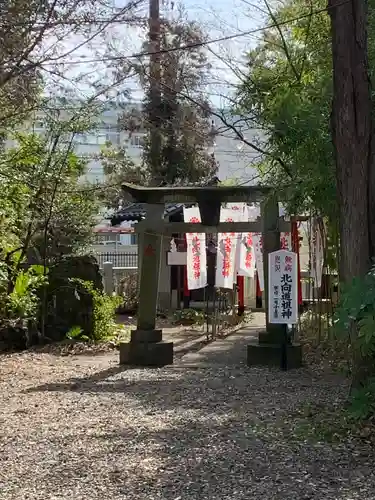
(188,317)
(356,309)
(362,401)
(355,320)
(20,308)
(104,307)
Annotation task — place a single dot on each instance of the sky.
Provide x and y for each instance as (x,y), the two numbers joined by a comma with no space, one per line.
(219,18)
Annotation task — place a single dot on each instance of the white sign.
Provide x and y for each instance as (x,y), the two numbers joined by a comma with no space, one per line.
(177,258)
(282,287)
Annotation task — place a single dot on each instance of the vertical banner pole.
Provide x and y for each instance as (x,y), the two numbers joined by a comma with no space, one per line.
(284,349)
(241,295)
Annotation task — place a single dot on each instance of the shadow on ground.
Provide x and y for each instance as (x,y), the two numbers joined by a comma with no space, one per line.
(201,429)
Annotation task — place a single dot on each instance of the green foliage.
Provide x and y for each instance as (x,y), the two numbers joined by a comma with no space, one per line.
(19,303)
(181,119)
(46,214)
(356,313)
(362,401)
(22,303)
(289,93)
(118,168)
(188,317)
(45,209)
(104,307)
(76,333)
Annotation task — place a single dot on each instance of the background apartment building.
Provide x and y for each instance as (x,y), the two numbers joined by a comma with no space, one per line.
(234,158)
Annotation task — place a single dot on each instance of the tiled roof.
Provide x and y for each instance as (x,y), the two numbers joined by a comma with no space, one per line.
(137,211)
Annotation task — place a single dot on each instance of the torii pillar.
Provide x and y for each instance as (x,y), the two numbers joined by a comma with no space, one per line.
(146,347)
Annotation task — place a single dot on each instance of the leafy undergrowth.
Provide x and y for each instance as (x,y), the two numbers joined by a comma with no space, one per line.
(73,346)
(321,348)
(317,424)
(332,425)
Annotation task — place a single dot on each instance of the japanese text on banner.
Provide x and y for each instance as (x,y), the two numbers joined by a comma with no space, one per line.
(258,253)
(196,252)
(226,251)
(245,256)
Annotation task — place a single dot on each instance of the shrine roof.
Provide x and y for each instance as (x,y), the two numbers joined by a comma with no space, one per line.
(135,212)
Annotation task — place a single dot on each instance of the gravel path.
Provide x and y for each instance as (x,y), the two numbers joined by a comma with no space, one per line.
(80,428)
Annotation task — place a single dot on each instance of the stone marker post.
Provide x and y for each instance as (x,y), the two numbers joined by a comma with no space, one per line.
(267,351)
(108,278)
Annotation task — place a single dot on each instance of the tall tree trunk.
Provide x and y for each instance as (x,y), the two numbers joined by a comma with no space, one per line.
(352,132)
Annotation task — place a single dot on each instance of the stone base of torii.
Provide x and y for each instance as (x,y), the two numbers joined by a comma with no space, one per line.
(146,346)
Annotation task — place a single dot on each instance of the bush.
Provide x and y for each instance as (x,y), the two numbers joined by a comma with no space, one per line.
(356,310)
(362,401)
(104,307)
(355,320)
(188,317)
(20,308)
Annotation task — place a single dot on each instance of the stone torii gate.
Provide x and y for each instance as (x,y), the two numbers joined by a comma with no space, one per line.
(146,346)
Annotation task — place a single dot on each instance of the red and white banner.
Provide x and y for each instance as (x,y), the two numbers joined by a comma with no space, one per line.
(245,259)
(253,212)
(226,251)
(258,252)
(196,252)
(286,241)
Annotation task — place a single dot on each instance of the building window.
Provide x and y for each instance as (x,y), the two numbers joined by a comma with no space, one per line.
(137,141)
(113,137)
(134,239)
(102,239)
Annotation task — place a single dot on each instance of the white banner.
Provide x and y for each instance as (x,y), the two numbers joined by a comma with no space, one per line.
(258,252)
(245,259)
(253,212)
(283,287)
(226,251)
(239,211)
(196,252)
(317,254)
